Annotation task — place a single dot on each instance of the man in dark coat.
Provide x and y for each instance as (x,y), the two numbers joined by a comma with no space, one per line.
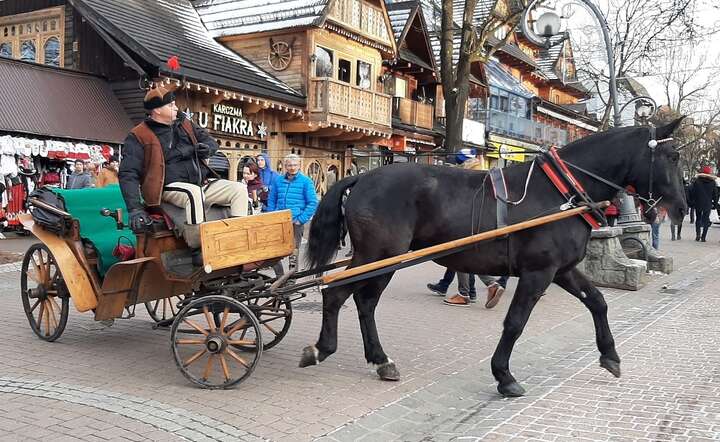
(164,160)
(704,197)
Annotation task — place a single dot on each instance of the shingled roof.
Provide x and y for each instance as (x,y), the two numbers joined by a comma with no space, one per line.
(399,14)
(238,17)
(157,30)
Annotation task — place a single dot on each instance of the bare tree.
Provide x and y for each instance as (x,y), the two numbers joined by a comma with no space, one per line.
(641,31)
(474,47)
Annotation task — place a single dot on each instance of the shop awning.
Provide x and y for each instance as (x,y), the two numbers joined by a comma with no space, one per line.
(59,103)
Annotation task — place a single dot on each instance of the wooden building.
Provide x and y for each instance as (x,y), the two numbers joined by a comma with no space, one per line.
(332,52)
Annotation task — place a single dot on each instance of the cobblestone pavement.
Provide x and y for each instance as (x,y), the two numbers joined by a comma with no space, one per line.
(121,383)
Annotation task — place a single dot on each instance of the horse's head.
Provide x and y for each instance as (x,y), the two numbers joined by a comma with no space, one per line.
(656,174)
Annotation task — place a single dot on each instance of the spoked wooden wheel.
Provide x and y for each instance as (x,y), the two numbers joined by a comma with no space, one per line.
(216,355)
(44,295)
(274,315)
(164,310)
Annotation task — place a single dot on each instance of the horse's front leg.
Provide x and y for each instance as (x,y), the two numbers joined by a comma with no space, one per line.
(530,288)
(326,345)
(366,300)
(579,286)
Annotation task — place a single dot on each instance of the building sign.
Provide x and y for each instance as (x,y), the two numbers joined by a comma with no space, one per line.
(506,152)
(230,120)
(473,132)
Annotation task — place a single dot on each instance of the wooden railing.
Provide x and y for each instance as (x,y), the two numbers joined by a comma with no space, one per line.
(413,113)
(339,98)
(362,16)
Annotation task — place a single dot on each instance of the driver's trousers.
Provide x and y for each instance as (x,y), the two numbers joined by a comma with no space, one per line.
(196,199)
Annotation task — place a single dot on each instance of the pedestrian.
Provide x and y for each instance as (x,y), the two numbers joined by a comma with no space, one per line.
(676,229)
(691,209)
(91,169)
(251,178)
(466,288)
(79,179)
(655,227)
(704,196)
(109,174)
(295,192)
(267,176)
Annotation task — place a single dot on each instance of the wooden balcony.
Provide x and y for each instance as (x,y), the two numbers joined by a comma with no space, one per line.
(362,16)
(413,113)
(331,100)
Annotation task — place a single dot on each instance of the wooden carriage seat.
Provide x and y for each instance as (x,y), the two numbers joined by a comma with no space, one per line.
(191,234)
(101,231)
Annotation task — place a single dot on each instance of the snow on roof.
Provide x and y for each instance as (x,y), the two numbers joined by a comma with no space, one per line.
(237,17)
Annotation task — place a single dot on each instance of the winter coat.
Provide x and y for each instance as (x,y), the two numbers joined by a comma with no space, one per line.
(79,181)
(704,192)
(178,153)
(268,177)
(296,194)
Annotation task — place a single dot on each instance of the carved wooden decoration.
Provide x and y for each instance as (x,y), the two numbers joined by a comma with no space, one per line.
(280,54)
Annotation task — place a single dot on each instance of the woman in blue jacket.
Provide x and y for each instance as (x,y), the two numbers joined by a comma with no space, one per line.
(295,192)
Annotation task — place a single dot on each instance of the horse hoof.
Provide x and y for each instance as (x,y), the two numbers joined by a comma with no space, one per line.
(512,389)
(309,357)
(610,365)
(388,372)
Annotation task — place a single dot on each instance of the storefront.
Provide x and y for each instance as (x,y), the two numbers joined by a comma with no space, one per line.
(42,135)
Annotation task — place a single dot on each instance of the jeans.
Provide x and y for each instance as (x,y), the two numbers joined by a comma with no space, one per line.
(655,228)
(702,222)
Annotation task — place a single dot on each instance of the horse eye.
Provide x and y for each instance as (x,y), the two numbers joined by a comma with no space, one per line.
(674,157)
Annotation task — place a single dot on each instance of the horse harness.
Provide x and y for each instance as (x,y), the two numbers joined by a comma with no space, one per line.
(558,172)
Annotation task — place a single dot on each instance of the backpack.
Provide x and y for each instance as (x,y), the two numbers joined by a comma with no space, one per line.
(47,218)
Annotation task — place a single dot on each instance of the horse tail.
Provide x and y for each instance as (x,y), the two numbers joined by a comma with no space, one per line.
(327,229)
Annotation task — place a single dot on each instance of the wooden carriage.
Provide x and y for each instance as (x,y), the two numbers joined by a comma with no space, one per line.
(222,312)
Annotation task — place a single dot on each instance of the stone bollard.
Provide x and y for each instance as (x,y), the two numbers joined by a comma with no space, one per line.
(641,232)
(606,265)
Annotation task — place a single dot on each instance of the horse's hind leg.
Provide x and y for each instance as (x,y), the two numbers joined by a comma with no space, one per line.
(530,288)
(579,286)
(366,299)
(333,299)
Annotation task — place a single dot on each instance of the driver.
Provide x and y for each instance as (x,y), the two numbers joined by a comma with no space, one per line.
(163,159)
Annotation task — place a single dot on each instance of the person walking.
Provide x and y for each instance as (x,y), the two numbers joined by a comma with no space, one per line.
(295,192)
(79,179)
(109,174)
(704,195)
(466,289)
(267,176)
(655,227)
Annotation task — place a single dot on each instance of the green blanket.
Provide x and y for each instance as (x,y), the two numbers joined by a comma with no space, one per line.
(85,205)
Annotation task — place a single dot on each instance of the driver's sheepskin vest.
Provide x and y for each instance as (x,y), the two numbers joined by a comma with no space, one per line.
(154,161)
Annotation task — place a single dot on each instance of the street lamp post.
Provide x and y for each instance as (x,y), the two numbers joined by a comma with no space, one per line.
(549,25)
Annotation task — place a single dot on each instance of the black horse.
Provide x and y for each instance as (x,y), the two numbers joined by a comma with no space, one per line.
(398,208)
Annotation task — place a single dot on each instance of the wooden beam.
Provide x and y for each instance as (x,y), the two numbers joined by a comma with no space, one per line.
(350,136)
(345,274)
(252,108)
(297,126)
(329,132)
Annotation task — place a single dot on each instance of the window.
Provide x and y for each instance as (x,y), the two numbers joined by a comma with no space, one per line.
(35,36)
(52,52)
(400,87)
(27,51)
(323,62)
(344,68)
(6,50)
(364,75)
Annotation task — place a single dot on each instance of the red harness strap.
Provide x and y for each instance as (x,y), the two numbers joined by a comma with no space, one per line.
(560,184)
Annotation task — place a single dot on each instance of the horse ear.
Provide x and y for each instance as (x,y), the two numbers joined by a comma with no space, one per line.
(667,130)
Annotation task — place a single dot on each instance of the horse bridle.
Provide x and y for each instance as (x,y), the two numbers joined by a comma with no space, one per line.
(650,202)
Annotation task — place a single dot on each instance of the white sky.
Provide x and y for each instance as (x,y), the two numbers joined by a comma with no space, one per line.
(708,13)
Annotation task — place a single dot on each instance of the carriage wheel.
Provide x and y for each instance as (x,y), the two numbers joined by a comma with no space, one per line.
(274,315)
(164,310)
(212,355)
(44,295)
